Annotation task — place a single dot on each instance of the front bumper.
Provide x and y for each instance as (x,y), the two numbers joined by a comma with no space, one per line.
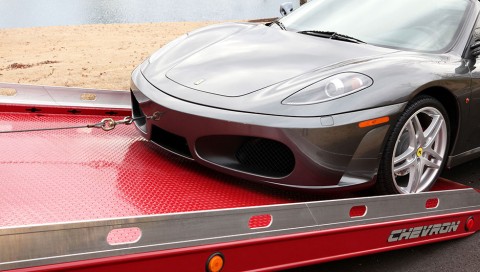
(328,152)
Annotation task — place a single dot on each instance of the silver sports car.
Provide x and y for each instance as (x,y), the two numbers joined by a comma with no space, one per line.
(338,94)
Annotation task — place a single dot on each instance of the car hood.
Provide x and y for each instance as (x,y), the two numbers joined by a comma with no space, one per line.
(256,57)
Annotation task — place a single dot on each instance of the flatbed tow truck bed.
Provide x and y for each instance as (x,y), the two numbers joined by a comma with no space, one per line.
(89,200)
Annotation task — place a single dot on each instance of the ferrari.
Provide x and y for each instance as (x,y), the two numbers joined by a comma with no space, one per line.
(336,95)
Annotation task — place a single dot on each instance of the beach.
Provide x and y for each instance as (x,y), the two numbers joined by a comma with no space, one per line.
(88,56)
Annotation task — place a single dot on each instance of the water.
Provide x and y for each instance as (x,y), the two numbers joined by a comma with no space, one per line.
(32,13)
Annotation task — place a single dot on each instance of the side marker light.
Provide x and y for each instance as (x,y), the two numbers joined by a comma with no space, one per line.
(374,122)
(469,224)
(215,262)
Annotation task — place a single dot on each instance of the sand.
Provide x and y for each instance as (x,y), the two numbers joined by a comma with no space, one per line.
(89,56)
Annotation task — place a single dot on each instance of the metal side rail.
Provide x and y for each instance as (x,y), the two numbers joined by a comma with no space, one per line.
(397,221)
(12,93)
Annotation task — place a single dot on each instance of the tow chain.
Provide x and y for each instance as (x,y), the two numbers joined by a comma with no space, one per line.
(105,124)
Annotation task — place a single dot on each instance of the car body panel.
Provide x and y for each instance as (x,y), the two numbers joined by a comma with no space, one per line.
(466,146)
(225,68)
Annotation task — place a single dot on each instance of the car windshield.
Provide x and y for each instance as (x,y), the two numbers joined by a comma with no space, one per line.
(426,25)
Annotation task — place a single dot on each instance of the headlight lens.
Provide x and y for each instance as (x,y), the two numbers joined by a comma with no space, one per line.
(330,88)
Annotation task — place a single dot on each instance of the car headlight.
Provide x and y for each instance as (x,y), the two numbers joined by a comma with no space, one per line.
(330,88)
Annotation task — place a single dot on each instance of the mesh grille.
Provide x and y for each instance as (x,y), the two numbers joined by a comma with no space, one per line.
(266,157)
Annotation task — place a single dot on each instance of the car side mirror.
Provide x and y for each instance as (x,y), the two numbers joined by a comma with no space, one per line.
(286,8)
(475,49)
(463,68)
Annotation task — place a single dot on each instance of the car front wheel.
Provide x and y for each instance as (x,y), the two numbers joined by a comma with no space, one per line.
(416,149)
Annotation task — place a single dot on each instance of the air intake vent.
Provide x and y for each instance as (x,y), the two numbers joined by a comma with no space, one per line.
(171,142)
(266,157)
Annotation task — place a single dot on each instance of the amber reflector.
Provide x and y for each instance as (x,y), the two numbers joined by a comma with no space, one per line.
(374,122)
(215,263)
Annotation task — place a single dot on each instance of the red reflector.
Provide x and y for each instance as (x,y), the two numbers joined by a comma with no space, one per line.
(432,203)
(124,236)
(260,221)
(470,224)
(358,211)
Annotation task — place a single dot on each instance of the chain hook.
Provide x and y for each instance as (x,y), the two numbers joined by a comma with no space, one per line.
(156,116)
(128,120)
(108,124)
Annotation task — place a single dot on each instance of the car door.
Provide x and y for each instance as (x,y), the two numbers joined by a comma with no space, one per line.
(472,139)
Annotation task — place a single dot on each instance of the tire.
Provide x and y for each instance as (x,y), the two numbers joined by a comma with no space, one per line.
(411,163)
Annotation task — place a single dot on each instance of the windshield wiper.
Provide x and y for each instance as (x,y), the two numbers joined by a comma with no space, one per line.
(280,24)
(331,35)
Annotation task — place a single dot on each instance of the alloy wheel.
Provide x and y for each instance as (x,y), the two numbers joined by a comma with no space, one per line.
(419,151)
